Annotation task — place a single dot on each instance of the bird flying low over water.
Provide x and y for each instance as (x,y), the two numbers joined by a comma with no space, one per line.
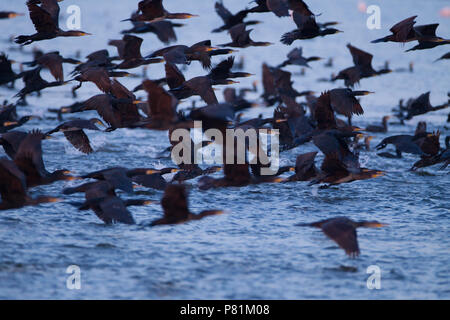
(153,10)
(46,22)
(175,206)
(342,230)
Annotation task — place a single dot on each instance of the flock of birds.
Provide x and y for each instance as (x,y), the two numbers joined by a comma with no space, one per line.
(117,106)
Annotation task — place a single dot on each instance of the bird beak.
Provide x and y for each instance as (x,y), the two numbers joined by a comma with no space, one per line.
(378,174)
(14,14)
(73,178)
(9,123)
(86,34)
(232,82)
(380,225)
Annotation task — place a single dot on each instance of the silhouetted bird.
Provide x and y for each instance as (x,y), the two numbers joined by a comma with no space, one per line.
(342,230)
(46,22)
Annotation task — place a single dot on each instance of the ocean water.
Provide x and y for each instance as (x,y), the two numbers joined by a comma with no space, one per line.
(254,251)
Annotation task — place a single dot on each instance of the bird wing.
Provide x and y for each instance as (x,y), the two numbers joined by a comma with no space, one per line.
(296,53)
(176,55)
(323,113)
(155,181)
(304,162)
(427,30)
(305,22)
(119,91)
(132,48)
(202,87)
(112,209)
(79,140)
(174,203)
(151,9)
(43,17)
(174,76)
(344,103)
(421,103)
(164,31)
(29,155)
(100,77)
(344,234)
(54,63)
(279,7)
(12,181)
(360,57)
(300,7)
(223,12)
(162,104)
(237,32)
(222,70)
(402,30)
(120,45)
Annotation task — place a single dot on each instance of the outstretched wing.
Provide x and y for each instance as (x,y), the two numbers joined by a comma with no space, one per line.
(79,140)
(344,234)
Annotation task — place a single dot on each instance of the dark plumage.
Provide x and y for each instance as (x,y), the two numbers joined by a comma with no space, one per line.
(28,159)
(13,188)
(295,57)
(362,68)
(241,38)
(153,10)
(46,22)
(342,230)
(175,206)
(307,27)
(34,83)
(181,54)
(164,30)
(73,131)
(229,19)
(131,54)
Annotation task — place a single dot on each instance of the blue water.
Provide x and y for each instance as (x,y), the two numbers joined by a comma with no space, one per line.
(254,251)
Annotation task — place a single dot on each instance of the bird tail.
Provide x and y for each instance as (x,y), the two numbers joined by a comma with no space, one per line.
(289,37)
(384,39)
